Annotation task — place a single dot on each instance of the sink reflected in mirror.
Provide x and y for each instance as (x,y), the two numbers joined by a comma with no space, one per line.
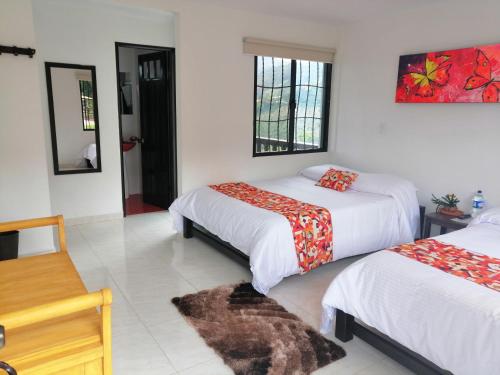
(127,146)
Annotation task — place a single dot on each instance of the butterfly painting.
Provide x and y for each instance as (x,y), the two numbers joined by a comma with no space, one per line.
(469,75)
(435,74)
(482,79)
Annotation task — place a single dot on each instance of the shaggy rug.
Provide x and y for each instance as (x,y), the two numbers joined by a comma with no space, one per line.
(254,334)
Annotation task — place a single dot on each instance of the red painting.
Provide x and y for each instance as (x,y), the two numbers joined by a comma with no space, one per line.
(469,75)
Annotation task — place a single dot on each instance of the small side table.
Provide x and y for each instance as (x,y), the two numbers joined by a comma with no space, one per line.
(444,221)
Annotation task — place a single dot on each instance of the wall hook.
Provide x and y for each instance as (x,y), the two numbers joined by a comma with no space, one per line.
(16,51)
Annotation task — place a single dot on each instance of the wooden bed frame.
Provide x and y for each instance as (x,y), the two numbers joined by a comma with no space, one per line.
(346,326)
(192,229)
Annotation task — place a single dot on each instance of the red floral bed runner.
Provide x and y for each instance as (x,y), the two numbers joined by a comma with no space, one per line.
(311,225)
(478,268)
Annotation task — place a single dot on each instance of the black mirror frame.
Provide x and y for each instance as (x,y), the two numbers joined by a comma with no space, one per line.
(53,134)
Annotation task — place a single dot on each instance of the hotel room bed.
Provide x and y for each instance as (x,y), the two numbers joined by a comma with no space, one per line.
(382,212)
(449,320)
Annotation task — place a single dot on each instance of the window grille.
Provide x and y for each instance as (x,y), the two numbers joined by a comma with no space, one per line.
(292,104)
(87,100)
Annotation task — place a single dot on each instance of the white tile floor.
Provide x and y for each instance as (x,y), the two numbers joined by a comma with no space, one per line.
(146,263)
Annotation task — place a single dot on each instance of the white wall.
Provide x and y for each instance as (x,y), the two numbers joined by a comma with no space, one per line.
(71,138)
(24,187)
(442,147)
(215,90)
(214,87)
(85,32)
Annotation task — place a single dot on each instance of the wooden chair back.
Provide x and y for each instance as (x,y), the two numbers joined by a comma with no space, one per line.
(36,223)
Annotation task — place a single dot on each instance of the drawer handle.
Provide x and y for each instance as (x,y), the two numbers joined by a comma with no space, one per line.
(2,337)
(9,369)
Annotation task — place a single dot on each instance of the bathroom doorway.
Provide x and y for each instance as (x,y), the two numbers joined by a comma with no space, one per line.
(146,104)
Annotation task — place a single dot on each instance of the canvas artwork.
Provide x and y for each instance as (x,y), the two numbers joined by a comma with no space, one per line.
(469,75)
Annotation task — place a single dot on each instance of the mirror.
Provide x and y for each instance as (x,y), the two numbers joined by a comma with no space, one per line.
(74,120)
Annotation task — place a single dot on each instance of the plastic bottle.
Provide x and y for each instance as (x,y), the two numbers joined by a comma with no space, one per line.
(478,203)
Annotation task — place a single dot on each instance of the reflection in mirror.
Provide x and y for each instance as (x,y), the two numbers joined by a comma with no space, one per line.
(126,94)
(72,97)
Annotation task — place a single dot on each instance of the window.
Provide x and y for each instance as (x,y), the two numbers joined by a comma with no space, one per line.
(292,102)
(87,100)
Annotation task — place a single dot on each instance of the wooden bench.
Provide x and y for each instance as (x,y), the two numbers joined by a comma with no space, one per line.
(52,324)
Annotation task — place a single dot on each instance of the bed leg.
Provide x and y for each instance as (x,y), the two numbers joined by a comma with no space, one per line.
(344,326)
(188,228)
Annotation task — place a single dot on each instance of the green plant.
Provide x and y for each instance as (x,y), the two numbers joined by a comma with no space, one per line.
(448,201)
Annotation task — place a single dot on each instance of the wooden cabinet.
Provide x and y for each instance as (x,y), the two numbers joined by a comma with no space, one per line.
(52,324)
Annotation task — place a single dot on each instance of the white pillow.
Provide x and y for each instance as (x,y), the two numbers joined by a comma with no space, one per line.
(384,184)
(317,171)
(404,193)
(491,216)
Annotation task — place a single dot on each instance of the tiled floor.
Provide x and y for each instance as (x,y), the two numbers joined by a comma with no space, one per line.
(146,264)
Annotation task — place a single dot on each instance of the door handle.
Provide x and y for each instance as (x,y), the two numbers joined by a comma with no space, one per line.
(136,139)
(8,369)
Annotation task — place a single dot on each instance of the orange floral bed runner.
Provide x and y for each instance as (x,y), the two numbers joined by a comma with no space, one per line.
(311,225)
(479,268)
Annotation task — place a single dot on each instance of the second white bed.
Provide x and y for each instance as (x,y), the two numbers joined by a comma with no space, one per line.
(453,322)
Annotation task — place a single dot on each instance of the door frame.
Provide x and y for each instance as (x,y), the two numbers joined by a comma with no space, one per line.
(172,87)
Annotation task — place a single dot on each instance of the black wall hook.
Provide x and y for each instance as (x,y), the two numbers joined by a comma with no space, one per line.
(17,51)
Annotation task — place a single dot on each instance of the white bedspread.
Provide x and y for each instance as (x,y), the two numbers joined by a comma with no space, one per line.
(449,320)
(362,222)
(90,153)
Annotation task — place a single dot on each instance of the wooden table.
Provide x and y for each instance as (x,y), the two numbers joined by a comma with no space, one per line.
(444,221)
(51,322)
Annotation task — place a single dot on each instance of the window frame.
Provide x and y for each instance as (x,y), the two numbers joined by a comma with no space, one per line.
(83,108)
(292,106)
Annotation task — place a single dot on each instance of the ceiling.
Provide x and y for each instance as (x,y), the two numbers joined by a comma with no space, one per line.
(326,11)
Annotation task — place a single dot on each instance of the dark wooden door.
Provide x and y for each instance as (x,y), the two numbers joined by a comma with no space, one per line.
(157,109)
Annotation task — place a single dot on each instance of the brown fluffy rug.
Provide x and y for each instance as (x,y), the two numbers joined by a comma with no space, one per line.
(254,334)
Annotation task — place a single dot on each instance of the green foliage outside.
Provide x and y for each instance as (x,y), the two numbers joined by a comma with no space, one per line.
(272,105)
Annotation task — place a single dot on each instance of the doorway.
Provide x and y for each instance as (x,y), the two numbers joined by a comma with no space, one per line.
(147,122)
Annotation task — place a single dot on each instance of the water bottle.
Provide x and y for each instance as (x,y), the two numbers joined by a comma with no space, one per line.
(478,203)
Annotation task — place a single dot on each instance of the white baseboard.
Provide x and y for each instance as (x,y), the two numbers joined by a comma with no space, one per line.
(93,219)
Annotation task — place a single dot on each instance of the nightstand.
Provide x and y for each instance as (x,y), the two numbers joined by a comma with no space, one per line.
(446,222)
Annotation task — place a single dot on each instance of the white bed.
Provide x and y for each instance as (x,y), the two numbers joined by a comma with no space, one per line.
(382,212)
(451,321)
(90,153)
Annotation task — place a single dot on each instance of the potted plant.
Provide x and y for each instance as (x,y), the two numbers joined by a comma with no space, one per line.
(447,205)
